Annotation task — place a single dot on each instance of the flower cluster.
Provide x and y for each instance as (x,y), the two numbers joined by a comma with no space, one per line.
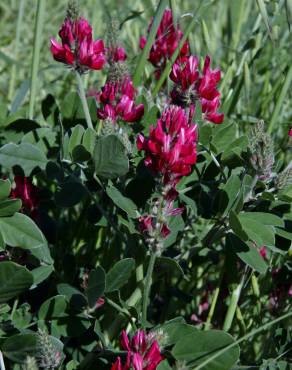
(170,152)
(77,48)
(166,42)
(27,192)
(191,86)
(143,352)
(170,149)
(116,101)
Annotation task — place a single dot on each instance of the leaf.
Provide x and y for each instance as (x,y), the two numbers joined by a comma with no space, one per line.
(109,157)
(119,274)
(89,139)
(9,206)
(41,273)
(223,135)
(170,264)
(96,285)
(75,137)
(14,280)
(164,365)
(199,345)
(264,218)
(71,193)
(236,226)
(25,155)
(264,14)
(5,189)
(122,202)
(176,225)
(258,232)
(232,189)
(53,308)
(20,231)
(248,254)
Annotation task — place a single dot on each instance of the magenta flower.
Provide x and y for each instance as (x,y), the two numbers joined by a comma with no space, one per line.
(27,192)
(116,54)
(290,132)
(166,42)
(170,149)
(77,47)
(117,102)
(191,87)
(143,352)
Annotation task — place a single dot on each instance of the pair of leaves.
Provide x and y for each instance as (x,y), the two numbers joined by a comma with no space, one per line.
(99,282)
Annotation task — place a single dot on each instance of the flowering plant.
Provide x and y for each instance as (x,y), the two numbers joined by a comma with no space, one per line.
(145,212)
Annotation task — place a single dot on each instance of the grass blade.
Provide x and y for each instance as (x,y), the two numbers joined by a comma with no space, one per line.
(264,14)
(169,64)
(16,46)
(36,53)
(151,37)
(280,100)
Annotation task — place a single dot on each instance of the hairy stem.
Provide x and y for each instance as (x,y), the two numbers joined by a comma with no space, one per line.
(83,100)
(147,286)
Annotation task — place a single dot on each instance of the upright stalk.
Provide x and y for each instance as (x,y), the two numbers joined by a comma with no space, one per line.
(147,286)
(2,365)
(36,54)
(83,100)
(16,46)
(232,306)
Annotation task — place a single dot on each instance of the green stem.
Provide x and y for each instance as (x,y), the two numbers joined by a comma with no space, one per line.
(2,365)
(147,286)
(256,291)
(83,100)
(215,298)
(17,38)
(36,54)
(242,339)
(232,306)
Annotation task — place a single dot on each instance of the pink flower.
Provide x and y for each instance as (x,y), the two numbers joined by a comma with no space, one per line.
(143,352)
(263,252)
(77,47)
(170,149)
(117,102)
(290,132)
(166,42)
(27,192)
(191,87)
(116,54)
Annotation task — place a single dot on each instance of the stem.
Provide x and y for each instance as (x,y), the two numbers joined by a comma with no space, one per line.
(2,365)
(215,298)
(36,54)
(17,38)
(147,286)
(256,291)
(232,306)
(242,339)
(83,100)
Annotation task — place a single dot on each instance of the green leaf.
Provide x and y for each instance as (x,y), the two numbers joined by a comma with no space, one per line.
(9,206)
(119,274)
(264,218)
(223,135)
(258,232)
(53,308)
(170,264)
(5,189)
(41,273)
(199,345)
(122,202)
(25,155)
(14,280)
(89,139)
(164,365)
(232,189)
(75,137)
(176,225)
(109,157)
(20,231)
(247,253)
(71,193)
(96,285)
(236,226)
